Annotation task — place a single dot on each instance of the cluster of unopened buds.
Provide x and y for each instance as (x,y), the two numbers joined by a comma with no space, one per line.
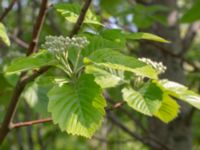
(56,44)
(158,66)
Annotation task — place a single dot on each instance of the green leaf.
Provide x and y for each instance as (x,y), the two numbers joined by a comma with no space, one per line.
(72,11)
(78,107)
(146,100)
(115,35)
(192,14)
(42,58)
(168,110)
(105,77)
(115,60)
(98,42)
(35,96)
(145,36)
(3,35)
(181,92)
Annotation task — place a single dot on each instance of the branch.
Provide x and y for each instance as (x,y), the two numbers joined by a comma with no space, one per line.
(80,19)
(7,10)
(189,37)
(152,144)
(5,127)
(23,80)
(37,27)
(178,56)
(30,123)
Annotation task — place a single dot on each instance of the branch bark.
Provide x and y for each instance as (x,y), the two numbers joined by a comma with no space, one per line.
(81,18)
(23,80)
(7,10)
(5,127)
(30,123)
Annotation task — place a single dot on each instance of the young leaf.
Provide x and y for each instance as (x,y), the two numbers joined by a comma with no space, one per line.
(181,92)
(115,60)
(78,107)
(3,35)
(105,77)
(37,60)
(168,110)
(146,36)
(147,100)
(72,11)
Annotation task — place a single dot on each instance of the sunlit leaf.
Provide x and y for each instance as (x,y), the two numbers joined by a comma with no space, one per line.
(106,77)
(147,100)
(168,110)
(3,35)
(181,92)
(72,11)
(115,60)
(145,36)
(37,60)
(78,107)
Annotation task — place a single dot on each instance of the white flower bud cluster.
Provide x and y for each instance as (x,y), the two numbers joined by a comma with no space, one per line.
(158,66)
(56,44)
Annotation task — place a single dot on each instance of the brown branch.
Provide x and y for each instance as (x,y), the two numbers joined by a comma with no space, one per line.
(80,19)
(7,10)
(5,127)
(23,80)
(37,27)
(30,123)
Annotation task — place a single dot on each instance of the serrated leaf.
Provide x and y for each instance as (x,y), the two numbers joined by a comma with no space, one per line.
(3,35)
(98,42)
(146,36)
(168,110)
(78,107)
(72,11)
(115,60)
(181,92)
(105,77)
(147,100)
(192,14)
(42,58)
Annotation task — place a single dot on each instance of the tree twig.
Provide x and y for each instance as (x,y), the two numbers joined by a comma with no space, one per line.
(30,123)
(37,27)
(81,18)
(189,37)
(5,127)
(153,144)
(23,80)
(7,10)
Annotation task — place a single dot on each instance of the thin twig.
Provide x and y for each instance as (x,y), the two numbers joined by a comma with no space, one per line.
(153,144)
(178,56)
(7,10)
(80,19)
(30,123)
